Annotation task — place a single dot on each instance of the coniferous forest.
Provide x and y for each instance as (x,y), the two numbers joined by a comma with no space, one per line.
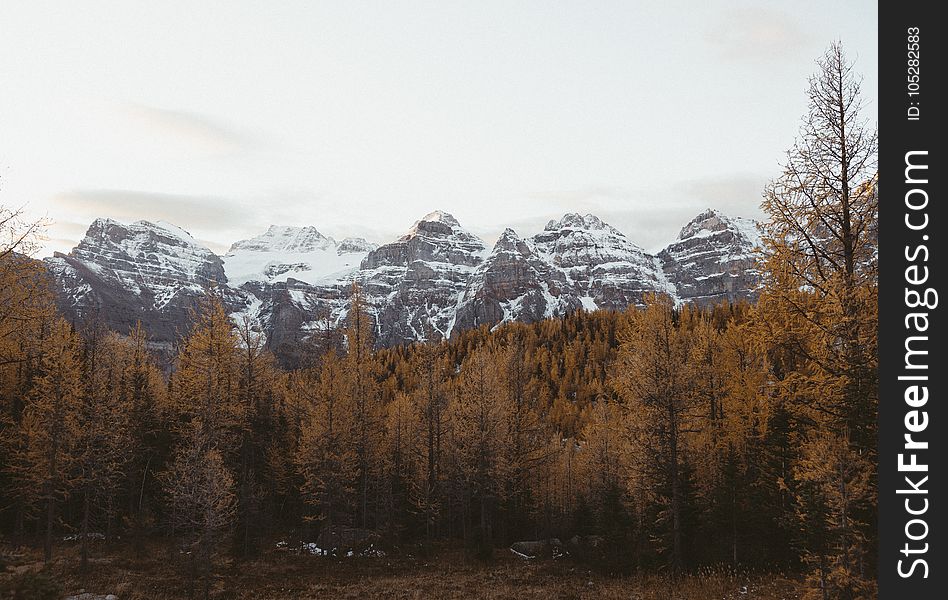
(664,440)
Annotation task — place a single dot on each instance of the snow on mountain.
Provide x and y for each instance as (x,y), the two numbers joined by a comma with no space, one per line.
(576,221)
(436,237)
(600,262)
(355,245)
(146,257)
(514,282)
(143,271)
(302,253)
(435,280)
(713,258)
(576,262)
(416,281)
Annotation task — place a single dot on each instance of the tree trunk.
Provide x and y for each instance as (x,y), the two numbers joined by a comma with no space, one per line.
(84,543)
(50,518)
(139,524)
(18,525)
(676,559)
(734,524)
(245,496)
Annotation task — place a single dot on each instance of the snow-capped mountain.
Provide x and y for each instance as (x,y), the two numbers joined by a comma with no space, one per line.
(576,262)
(433,281)
(298,252)
(417,280)
(148,272)
(713,258)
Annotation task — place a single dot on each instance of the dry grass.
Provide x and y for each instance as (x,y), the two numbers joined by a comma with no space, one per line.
(285,575)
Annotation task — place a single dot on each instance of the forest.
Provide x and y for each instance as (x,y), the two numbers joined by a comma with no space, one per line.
(662,439)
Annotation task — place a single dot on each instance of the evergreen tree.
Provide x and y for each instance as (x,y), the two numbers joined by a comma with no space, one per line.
(104,434)
(654,378)
(143,391)
(50,427)
(819,311)
(326,459)
(361,380)
(199,482)
(201,498)
(481,422)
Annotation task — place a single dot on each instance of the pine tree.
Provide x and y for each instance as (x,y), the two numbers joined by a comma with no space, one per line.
(143,390)
(259,387)
(50,426)
(400,468)
(199,483)
(654,378)
(326,459)
(530,434)
(202,503)
(835,480)
(360,373)
(819,309)
(27,309)
(604,467)
(205,385)
(430,401)
(104,434)
(481,422)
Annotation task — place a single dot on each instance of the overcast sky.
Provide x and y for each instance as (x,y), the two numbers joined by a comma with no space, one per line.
(360,117)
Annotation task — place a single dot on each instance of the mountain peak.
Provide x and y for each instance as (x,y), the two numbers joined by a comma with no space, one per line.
(285,238)
(288,251)
(712,221)
(101,222)
(508,240)
(104,230)
(588,222)
(440,216)
(275,230)
(509,233)
(355,245)
(439,224)
(158,260)
(169,228)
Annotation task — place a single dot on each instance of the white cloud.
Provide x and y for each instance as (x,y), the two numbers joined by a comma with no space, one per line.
(195,130)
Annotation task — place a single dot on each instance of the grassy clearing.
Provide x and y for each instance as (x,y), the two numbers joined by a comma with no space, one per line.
(285,575)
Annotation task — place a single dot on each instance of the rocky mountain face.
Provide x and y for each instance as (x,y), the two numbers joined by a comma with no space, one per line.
(148,272)
(576,262)
(713,258)
(433,281)
(416,281)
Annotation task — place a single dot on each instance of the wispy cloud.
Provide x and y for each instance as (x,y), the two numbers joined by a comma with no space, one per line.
(198,130)
(756,33)
(181,209)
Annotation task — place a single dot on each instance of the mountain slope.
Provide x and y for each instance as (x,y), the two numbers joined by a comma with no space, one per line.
(713,258)
(298,252)
(415,282)
(435,280)
(576,262)
(149,272)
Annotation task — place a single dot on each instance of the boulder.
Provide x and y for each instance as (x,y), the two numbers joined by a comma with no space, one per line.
(529,549)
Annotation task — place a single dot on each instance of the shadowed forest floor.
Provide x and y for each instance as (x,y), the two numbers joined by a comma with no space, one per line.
(283,575)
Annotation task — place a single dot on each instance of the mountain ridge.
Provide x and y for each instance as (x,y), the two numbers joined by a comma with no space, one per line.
(431,282)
